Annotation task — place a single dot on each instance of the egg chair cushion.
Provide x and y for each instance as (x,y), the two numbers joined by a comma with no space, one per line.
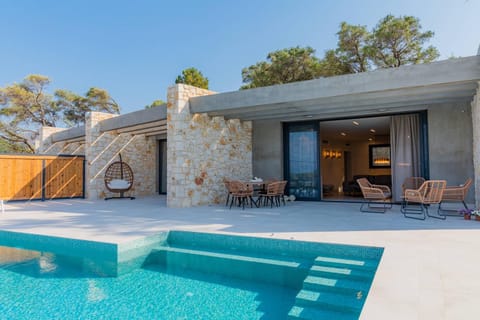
(118,184)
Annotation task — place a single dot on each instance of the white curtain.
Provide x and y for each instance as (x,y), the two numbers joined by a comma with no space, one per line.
(405,150)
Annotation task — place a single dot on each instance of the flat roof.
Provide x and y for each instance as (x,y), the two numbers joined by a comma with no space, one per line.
(135,118)
(69,134)
(406,88)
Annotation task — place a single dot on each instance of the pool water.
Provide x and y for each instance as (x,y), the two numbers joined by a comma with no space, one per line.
(181,275)
(43,288)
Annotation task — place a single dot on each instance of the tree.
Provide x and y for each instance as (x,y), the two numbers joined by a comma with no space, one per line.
(75,107)
(155,103)
(26,106)
(193,77)
(392,43)
(399,41)
(284,66)
(353,49)
(333,65)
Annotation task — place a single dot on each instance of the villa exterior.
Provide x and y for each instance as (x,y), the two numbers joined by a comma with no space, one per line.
(200,137)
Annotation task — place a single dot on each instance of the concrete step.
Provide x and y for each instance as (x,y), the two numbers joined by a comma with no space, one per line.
(335,272)
(361,264)
(341,285)
(330,301)
(274,270)
(312,313)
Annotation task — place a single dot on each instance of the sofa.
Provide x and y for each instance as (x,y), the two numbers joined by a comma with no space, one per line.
(351,188)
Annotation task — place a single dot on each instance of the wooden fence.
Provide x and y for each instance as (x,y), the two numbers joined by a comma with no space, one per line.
(37,177)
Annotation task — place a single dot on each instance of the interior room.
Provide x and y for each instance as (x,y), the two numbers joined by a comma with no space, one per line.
(350,149)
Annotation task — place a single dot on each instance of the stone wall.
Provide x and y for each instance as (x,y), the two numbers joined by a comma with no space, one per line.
(44,144)
(102,149)
(202,151)
(476,144)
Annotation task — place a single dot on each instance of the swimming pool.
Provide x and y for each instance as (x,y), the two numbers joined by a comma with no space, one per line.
(182,275)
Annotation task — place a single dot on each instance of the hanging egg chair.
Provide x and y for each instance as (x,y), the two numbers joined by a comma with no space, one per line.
(119,179)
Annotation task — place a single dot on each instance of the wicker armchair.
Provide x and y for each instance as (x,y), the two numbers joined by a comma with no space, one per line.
(374,194)
(430,192)
(240,193)
(274,193)
(455,194)
(226,182)
(412,183)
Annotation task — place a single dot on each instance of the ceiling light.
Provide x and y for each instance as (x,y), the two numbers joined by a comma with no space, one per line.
(343,134)
(308,116)
(356,123)
(370,139)
(372,130)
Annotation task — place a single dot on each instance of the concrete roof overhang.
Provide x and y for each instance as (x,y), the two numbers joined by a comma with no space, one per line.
(69,135)
(150,121)
(403,89)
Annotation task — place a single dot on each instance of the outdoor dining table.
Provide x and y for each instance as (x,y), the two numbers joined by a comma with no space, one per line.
(258,185)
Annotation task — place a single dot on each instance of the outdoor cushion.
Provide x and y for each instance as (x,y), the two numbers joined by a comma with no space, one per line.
(118,184)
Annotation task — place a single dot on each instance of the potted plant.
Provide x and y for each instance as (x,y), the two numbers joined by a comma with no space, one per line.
(476,214)
(467,213)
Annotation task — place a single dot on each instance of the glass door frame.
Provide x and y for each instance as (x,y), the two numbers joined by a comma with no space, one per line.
(162,164)
(286,155)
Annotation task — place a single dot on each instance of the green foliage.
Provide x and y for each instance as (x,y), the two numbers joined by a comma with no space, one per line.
(28,100)
(155,103)
(193,77)
(399,41)
(26,106)
(75,107)
(392,43)
(283,66)
(333,65)
(353,48)
(7,147)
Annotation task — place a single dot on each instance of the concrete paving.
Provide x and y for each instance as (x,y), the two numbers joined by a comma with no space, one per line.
(428,270)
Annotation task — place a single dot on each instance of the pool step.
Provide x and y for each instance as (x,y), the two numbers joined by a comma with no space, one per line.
(307,313)
(335,288)
(364,264)
(272,269)
(336,272)
(341,285)
(330,301)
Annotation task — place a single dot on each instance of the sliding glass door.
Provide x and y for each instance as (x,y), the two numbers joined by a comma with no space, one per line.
(302,160)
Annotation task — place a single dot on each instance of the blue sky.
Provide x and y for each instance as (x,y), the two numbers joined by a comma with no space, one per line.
(136,49)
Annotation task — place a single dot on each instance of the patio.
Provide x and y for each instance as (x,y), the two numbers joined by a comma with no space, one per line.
(427,270)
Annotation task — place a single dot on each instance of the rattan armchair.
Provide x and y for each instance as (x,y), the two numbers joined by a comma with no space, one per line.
(274,194)
(418,200)
(411,183)
(455,194)
(226,182)
(241,193)
(377,196)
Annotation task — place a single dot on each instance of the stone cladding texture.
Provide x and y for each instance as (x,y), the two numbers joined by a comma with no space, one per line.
(202,151)
(102,149)
(44,143)
(476,143)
